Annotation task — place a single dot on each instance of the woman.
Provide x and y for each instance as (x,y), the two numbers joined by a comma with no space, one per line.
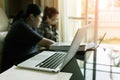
(48,27)
(22,40)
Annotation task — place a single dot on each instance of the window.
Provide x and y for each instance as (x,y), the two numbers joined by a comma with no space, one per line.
(105,18)
(73,16)
(109,20)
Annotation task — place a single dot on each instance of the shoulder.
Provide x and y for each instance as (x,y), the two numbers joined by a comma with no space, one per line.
(21,24)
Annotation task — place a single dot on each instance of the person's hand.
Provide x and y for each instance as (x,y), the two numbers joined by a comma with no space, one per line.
(46,42)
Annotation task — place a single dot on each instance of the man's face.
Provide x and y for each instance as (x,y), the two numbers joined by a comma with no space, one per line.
(37,20)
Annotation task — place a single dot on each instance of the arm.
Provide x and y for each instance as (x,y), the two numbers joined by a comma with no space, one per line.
(45,42)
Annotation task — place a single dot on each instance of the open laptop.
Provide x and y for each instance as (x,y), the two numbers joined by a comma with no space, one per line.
(95,46)
(54,61)
(64,46)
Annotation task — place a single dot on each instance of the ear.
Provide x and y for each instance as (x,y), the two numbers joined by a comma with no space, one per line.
(31,16)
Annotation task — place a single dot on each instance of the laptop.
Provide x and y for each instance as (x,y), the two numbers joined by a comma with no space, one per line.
(95,46)
(54,61)
(64,46)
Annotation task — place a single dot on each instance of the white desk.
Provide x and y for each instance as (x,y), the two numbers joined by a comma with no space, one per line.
(15,73)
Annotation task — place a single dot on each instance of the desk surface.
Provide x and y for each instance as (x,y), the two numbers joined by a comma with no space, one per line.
(15,73)
(23,74)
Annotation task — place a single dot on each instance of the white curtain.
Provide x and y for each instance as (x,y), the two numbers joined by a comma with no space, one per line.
(63,32)
(68,27)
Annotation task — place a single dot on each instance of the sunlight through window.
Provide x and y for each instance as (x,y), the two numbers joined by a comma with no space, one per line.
(103,4)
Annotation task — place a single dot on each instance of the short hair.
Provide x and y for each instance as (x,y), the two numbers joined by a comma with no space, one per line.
(32,9)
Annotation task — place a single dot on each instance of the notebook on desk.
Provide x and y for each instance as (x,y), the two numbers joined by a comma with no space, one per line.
(54,61)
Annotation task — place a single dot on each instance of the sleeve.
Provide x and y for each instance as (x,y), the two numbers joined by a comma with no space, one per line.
(29,35)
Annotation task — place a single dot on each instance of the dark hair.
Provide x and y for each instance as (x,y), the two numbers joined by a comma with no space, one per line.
(32,9)
(49,12)
(18,16)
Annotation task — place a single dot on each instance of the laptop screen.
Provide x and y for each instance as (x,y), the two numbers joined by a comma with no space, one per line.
(75,44)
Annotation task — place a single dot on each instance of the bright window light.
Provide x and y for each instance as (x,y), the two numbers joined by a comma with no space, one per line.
(103,4)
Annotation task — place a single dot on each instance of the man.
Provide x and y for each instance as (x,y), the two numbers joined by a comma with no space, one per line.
(23,39)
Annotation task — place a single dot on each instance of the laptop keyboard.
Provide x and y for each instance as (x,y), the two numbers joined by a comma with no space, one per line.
(52,62)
